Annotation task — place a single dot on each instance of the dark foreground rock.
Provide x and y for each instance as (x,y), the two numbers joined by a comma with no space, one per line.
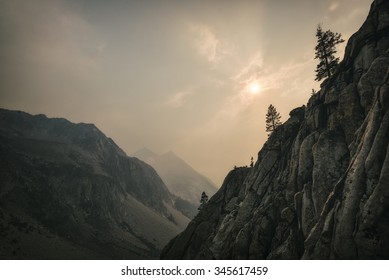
(320,186)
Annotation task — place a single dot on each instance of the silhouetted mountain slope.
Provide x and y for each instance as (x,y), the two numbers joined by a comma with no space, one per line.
(69,189)
(180,178)
(320,186)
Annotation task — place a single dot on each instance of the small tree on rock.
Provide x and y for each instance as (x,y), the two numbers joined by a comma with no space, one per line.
(325,51)
(203,200)
(273,119)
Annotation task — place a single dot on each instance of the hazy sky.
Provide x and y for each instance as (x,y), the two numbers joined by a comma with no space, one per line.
(195,77)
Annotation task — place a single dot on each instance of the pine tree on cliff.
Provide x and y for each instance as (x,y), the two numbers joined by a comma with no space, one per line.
(325,52)
(203,200)
(273,119)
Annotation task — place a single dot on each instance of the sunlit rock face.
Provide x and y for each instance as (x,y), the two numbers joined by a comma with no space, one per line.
(320,186)
(69,192)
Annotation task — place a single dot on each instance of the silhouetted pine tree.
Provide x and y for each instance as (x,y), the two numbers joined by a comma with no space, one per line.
(273,119)
(325,51)
(203,200)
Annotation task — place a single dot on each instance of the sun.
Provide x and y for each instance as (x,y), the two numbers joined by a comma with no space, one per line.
(254,88)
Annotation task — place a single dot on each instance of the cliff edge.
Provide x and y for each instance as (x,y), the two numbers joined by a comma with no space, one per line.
(320,186)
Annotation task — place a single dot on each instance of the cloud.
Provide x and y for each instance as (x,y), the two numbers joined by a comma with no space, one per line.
(333,6)
(250,72)
(178,99)
(241,97)
(209,45)
(289,79)
(269,77)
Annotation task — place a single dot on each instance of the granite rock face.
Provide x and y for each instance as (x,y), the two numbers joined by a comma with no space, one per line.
(320,186)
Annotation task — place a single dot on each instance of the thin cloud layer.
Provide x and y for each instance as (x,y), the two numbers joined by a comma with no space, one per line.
(195,77)
(208,44)
(333,6)
(178,99)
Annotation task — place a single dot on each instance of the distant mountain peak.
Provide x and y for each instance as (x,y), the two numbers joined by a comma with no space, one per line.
(180,178)
(173,156)
(144,152)
(170,153)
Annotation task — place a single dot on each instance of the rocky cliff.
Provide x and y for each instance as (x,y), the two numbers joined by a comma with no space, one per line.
(68,191)
(320,186)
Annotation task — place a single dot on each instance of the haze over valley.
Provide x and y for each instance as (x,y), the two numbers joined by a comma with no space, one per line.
(251,129)
(193,77)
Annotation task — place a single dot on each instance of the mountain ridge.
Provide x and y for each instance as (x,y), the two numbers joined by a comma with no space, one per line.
(71,184)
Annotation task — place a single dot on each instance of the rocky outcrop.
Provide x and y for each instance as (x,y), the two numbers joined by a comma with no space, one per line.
(319,189)
(194,242)
(71,190)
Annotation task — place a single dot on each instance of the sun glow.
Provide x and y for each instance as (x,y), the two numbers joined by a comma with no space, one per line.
(254,88)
